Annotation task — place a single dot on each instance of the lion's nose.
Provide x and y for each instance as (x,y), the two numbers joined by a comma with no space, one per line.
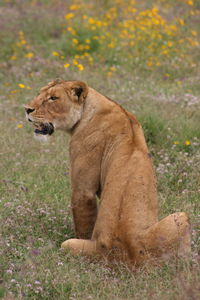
(29,110)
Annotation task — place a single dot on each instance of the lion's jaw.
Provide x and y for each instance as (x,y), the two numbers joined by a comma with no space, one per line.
(68,122)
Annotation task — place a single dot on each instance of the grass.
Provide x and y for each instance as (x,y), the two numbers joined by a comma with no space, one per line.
(35,187)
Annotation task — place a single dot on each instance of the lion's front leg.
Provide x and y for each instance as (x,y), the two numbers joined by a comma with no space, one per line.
(85,173)
(84,209)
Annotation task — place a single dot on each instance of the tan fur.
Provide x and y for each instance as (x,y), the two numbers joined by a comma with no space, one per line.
(109,158)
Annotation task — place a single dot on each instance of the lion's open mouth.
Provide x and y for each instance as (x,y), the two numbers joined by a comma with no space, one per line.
(46,128)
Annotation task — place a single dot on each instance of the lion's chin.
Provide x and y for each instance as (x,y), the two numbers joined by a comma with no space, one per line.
(43,132)
(41,137)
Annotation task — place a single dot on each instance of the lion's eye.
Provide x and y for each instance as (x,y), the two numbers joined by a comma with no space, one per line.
(53,98)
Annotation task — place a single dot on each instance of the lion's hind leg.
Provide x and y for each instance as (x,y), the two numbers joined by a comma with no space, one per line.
(170,236)
(80,247)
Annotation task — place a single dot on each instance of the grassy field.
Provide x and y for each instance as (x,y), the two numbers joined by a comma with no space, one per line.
(146,56)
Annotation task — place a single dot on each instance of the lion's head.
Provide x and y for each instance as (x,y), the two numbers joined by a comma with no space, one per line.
(59,105)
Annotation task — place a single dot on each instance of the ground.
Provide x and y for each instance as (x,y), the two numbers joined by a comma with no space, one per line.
(145,56)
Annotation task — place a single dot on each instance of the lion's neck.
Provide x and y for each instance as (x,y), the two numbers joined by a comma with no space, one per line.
(84,116)
(75,117)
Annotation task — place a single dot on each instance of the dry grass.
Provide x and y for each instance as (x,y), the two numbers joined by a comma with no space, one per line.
(35,190)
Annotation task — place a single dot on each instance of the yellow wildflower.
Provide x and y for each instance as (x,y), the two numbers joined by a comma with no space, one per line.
(19,125)
(55,53)
(165,52)
(74,7)
(154,11)
(21,85)
(109,74)
(75,41)
(29,55)
(71,30)
(75,62)
(90,59)
(69,16)
(190,2)
(193,43)
(173,27)
(176,142)
(80,47)
(99,23)
(66,65)
(13,92)
(149,63)
(112,68)
(80,66)
(133,10)
(169,44)
(21,33)
(187,143)
(111,45)
(181,22)
(13,57)
(194,33)
(23,42)
(91,21)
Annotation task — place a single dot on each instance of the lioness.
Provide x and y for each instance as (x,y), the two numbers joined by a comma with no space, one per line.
(109,159)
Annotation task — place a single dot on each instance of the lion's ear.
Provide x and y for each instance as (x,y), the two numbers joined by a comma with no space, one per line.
(79,91)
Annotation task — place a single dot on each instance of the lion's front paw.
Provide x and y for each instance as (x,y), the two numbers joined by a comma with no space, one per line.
(79,246)
(68,244)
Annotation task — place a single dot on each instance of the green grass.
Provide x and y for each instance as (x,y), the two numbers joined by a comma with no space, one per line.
(34,180)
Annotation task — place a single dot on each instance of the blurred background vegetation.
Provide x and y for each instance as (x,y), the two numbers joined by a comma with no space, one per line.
(145,54)
(149,35)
